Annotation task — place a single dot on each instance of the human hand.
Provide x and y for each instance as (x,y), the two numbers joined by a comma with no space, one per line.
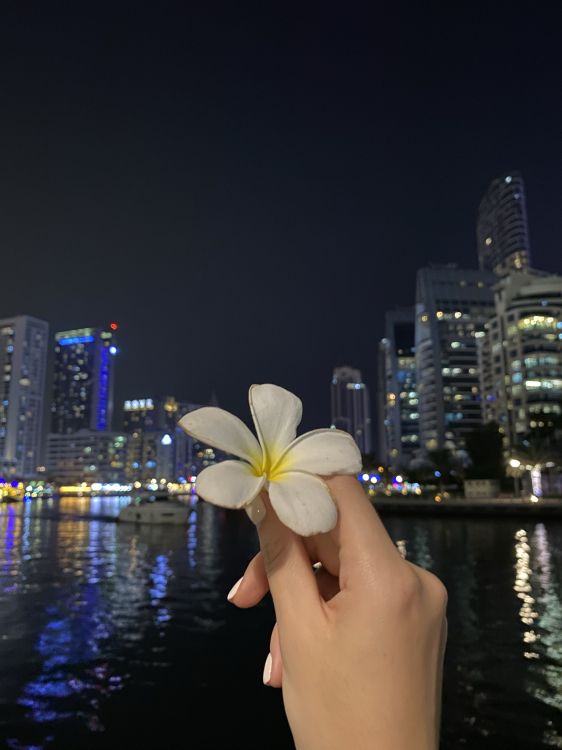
(359,641)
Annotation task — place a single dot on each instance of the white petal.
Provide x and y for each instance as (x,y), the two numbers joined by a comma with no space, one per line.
(222,430)
(322,452)
(276,413)
(303,503)
(230,484)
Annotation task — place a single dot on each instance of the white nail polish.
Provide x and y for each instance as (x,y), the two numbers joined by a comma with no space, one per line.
(256,511)
(267,670)
(232,593)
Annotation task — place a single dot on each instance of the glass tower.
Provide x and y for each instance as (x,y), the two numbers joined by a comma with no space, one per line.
(452,308)
(350,406)
(502,231)
(521,356)
(398,413)
(83,380)
(23,361)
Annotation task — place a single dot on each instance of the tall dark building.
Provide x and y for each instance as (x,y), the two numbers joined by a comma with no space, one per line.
(24,345)
(350,406)
(157,448)
(83,380)
(453,306)
(502,231)
(398,411)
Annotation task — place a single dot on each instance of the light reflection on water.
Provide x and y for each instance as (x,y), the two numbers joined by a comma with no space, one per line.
(99,618)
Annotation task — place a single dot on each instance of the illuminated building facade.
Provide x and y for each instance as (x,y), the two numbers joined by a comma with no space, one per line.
(452,308)
(146,414)
(398,413)
(157,447)
(502,231)
(24,345)
(83,378)
(350,406)
(521,355)
(151,455)
(87,456)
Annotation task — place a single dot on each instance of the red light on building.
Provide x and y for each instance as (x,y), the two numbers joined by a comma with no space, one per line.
(113,326)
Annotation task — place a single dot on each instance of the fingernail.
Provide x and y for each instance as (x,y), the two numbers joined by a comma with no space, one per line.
(267,670)
(256,511)
(232,593)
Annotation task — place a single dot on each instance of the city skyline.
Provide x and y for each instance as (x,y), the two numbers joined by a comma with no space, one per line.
(438,364)
(159,186)
(125,389)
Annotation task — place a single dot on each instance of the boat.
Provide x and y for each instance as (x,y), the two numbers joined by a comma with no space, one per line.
(155,508)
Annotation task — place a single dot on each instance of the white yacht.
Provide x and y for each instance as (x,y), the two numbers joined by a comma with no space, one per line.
(155,508)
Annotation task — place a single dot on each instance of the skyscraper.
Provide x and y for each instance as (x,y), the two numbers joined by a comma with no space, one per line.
(350,406)
(23,359)
(452,308)
(398,414)
(502,231)
(521,356)
(83,380)
(157,447)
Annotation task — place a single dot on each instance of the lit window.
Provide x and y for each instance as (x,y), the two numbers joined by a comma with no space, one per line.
(537,321)
(488,241)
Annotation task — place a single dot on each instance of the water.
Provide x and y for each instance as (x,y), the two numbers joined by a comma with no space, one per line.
(114,636)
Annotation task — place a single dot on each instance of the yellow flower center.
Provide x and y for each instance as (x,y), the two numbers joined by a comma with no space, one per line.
(268,463)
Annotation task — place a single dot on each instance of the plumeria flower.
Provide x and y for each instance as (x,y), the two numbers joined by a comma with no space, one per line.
(278,462)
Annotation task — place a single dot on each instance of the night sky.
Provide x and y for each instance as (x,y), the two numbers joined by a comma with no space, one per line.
(247,187)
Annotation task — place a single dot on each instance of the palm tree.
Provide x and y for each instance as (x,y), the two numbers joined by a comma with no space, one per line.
(537,451)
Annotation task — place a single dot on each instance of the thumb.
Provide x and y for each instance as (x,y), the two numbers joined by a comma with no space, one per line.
(288,567)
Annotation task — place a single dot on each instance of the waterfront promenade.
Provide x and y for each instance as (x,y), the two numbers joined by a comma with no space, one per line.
(500,506)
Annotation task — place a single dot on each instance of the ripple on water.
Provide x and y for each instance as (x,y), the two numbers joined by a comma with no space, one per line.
(100,622)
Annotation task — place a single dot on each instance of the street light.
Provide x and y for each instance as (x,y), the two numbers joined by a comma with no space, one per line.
(516,471)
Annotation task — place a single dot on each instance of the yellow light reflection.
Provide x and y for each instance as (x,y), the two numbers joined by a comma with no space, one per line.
(522,585)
